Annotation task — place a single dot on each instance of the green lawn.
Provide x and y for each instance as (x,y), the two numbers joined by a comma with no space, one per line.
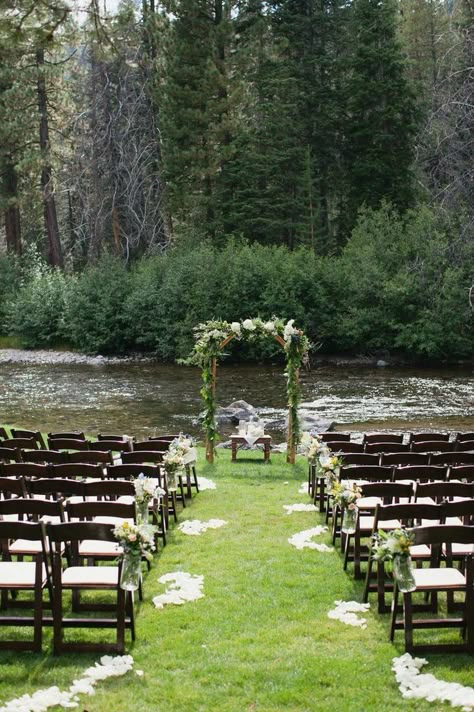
(260,639)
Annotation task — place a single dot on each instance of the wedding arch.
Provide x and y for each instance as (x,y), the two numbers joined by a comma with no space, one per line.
(211,339)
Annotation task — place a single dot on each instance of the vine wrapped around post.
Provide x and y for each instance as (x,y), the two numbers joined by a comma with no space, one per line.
(211,339)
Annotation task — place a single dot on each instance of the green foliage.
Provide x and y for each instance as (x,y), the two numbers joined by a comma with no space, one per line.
(400,285)
(9,282)
(35,311)
(94,308)
(405,289)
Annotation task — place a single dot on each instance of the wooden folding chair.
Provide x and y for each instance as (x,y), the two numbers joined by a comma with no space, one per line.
(153,457)
(405,458)
(35,434)
(381,447)
(429,437)
(435,580)
(78,578)
(68,444)
(420,473)
(9,454)
(452,458)
(433,446)
(52,457)
(389,517)
(23,576)
(382,438)
(387,493)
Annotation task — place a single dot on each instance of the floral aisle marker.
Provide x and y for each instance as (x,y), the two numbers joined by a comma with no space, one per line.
(195,527)
(205,484)
(183,587)
(109,666)
(211,339)
(415,685)
(299,508)
(346,612)
(302,540)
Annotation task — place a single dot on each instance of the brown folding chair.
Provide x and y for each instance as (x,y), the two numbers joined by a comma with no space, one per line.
(435,580)
(383,438)
(465,473)
(71,435)
(342,446)
(360,458)
(55,488)
(387,493)
(461,437)
(77,578)
(84,471)
(420,473)
(68,444)
(14,443)
(53,457)
(34,434)
(381,447)
(19,576)
(429,437)
(452,458)
(389,517)
(9,454)
(111,446)
(90,457)
(25,469)
(433,446)
(437,492)
(465,446)
(405,458)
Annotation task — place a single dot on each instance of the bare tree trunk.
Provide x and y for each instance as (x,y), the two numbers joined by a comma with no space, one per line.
(55,256)
(12,212)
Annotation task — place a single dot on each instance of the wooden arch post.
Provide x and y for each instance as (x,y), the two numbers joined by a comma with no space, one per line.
(290,450)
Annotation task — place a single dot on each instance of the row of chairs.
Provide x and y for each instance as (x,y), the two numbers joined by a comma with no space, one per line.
(62,546)
(388,472)
(58,567)
(442,517)
(404,438)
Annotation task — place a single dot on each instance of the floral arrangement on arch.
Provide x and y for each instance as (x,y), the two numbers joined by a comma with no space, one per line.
(212,336)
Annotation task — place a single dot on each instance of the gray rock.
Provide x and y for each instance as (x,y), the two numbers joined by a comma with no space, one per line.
(381,363)
(238,410)
(312,421)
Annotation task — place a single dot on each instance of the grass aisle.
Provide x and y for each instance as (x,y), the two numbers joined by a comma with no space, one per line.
(260,639)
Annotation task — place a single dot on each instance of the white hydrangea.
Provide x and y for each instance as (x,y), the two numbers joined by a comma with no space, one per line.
(249,325)
(236,328)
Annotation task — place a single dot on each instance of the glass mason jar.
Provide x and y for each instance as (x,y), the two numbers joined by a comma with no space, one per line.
(141,508)
(349,519)
(403,573)
(131,570)
(171,477)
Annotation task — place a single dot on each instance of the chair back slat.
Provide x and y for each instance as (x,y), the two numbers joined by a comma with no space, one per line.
(405,458)
(376,473)
(420,472)
(141,457)
(44,456)
(382,447)
(67,444)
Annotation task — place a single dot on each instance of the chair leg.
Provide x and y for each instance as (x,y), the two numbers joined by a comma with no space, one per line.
(368,576)
(393,618)
(131,613)
(120,620)
(408,621)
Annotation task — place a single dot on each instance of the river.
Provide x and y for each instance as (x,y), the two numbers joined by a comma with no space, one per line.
(148,398)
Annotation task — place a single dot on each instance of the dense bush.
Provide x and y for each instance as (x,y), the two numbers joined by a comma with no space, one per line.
(36,309)
(400,285)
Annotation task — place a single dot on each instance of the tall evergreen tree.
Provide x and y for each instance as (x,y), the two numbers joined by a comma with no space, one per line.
(381,112)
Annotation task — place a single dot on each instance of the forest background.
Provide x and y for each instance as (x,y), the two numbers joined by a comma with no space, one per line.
(186,160)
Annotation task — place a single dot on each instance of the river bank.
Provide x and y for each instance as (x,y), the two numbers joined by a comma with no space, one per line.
(67,357)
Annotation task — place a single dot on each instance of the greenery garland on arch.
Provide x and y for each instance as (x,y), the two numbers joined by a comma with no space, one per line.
(213,336)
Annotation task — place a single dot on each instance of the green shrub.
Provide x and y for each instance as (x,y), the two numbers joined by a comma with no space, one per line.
(36,309)
(94,317)
(9,283)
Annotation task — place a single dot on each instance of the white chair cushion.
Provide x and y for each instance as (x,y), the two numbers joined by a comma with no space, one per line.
(95,547)
(19,574)
(420,551)
(438,578)
(90,576)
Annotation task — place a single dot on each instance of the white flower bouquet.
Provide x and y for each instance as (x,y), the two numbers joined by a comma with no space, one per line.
(136,539)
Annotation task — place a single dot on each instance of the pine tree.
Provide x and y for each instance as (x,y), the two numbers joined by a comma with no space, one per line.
(381,112)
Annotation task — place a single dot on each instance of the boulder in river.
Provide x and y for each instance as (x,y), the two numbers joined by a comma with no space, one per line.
(238,410)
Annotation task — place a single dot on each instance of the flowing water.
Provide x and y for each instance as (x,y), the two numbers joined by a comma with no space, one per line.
(149,398)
